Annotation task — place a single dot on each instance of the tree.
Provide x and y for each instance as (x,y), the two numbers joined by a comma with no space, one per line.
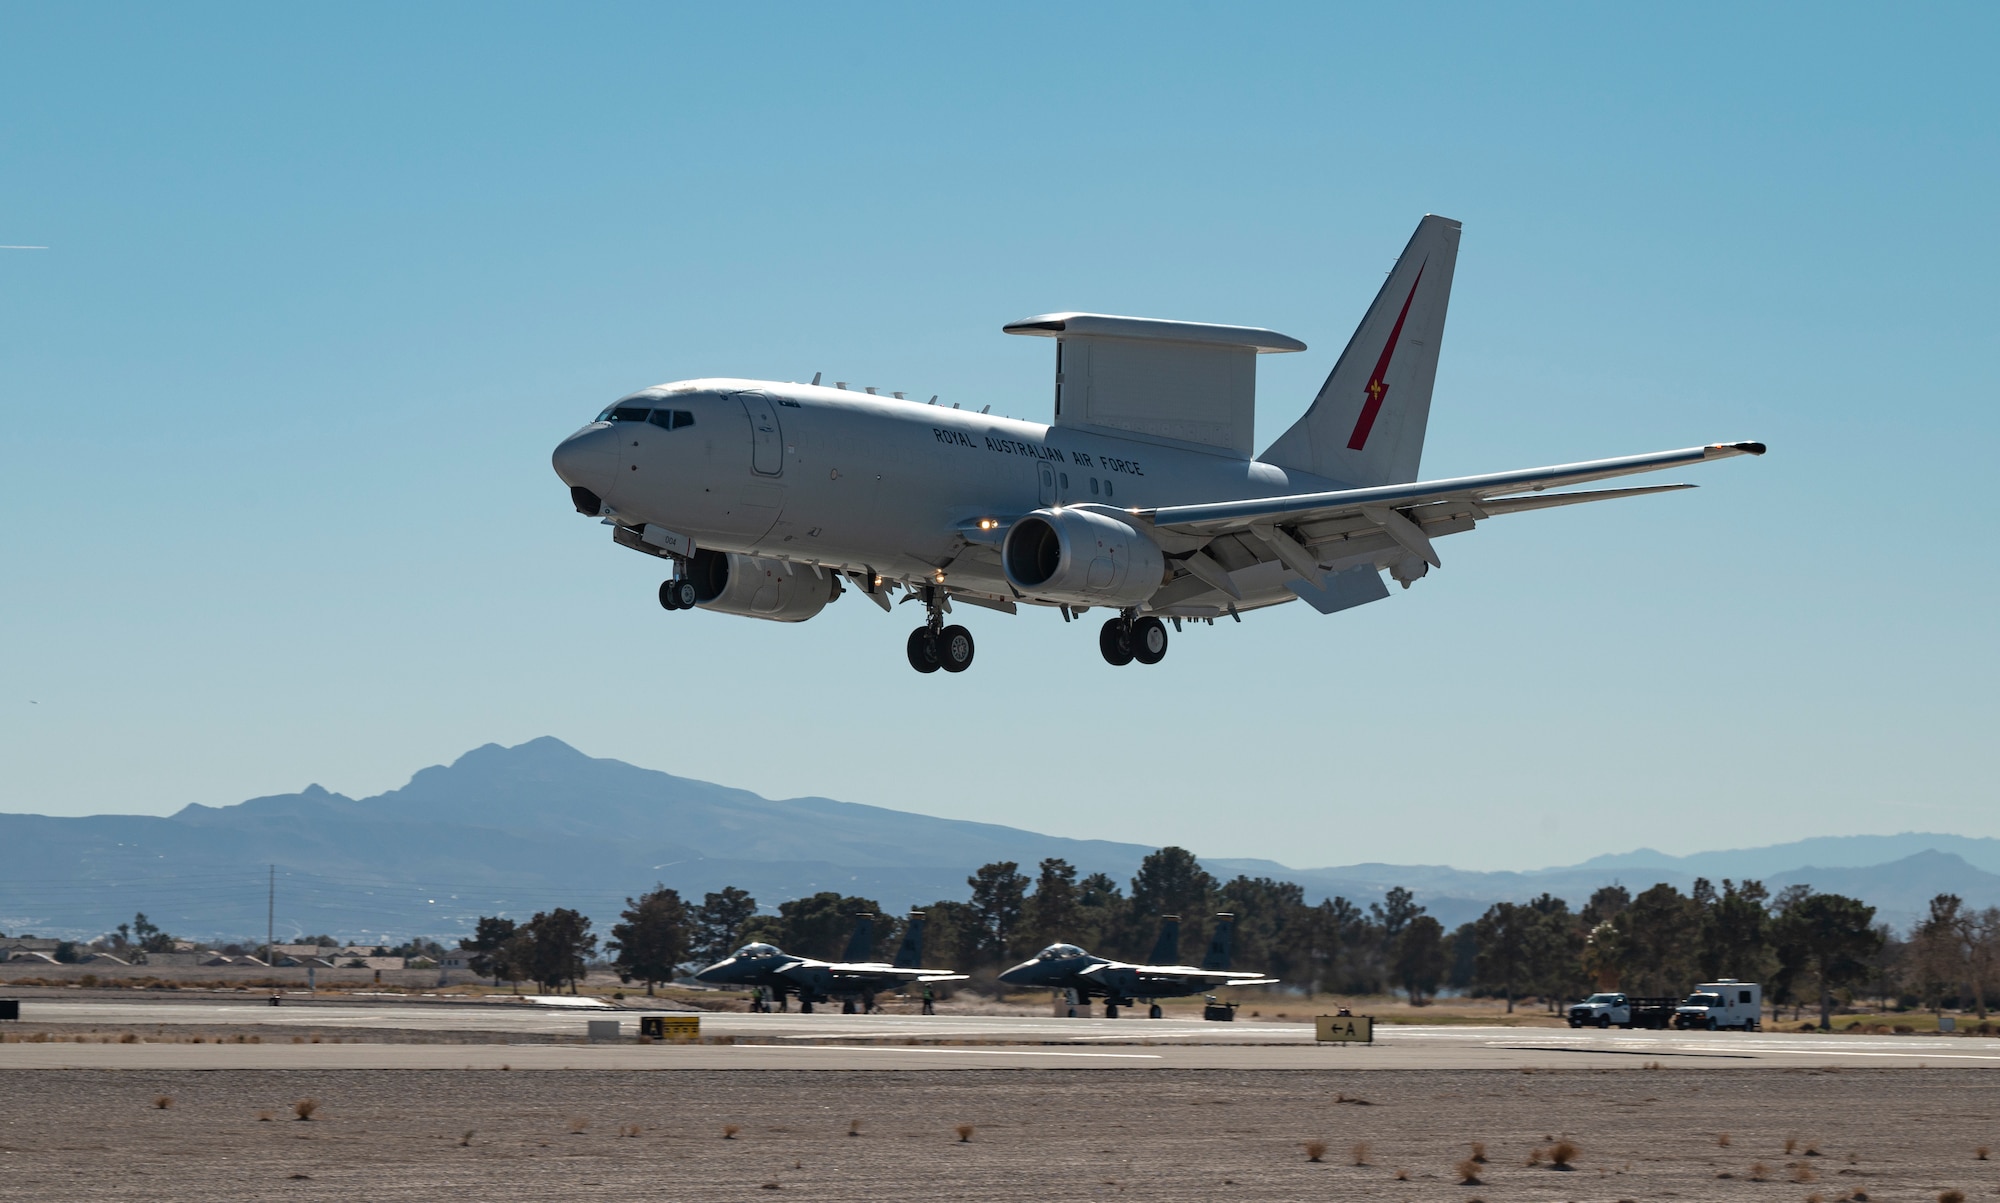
(718,923)
(1420,958)
(1604,906)
(999,895)
(1101,911)
(820,925)
(1657,941)
(1055,908)
(488,945)
(1502,960)
(1829,937)
(1735,934)
(1171,882)
(557,945)
(653,939)
(1553,949)
(1464,948)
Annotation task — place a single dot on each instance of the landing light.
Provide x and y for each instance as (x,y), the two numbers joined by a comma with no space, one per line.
(938,576)
(988,523)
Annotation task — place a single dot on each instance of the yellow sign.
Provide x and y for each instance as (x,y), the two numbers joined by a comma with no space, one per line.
(670,1027)
(1345,1029)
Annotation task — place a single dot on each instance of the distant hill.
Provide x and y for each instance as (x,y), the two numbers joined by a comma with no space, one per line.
(515,830)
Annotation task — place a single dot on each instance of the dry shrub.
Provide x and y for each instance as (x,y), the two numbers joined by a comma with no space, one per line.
(1812,1149)
(1468,1173)
(1951,1196)
(1801,1172)
(964,1133)
(1722,1138)
(1359,1153)
(465,1141)
(304,1108)
(298,1040)
(1561,1154)
(163,1101)
(1858,1196)
(628,1129)
(1315,1150)
(129,1038)
(771,1186)
(1402,1175)
(1981,1153)
(1791,1142)
(854,1127)
(1479,1152)
(577,1125)
(1534,1158)
(729,1131)
(263,1117)
(1759,1172)
(1815,1197)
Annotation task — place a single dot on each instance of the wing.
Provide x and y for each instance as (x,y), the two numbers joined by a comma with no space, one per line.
(1137,979)
(1384,526)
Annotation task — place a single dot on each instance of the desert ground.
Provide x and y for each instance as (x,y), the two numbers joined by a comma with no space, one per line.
(1638,1133)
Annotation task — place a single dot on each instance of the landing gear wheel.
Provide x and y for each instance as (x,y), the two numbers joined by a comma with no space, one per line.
(1114,639)
(670,595)
(1111,1010)
(1149,640)
(954,649)
(847,1006)
(923,649)
(1154,1012)
(805,1006)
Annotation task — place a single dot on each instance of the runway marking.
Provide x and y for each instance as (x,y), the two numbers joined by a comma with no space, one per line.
(962,1052)
(1622,1052)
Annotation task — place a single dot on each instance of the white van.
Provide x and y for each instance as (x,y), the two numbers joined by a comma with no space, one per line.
(1724,1004)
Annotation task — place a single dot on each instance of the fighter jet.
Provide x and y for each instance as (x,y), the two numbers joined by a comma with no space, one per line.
(1119,984)
(854,980)
(1143,498)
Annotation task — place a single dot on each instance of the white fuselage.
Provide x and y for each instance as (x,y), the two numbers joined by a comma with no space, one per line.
(857,482)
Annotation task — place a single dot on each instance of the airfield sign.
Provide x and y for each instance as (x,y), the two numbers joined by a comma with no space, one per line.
(1344,1029)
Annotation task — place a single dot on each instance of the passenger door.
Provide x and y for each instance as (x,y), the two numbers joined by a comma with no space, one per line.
(767,439)
(1048,471)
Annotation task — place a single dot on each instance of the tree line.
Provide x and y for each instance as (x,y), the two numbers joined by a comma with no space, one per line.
(1807,948)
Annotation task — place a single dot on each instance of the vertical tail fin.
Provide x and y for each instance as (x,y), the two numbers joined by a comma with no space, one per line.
(911,954)
(1167,949)
(863,940)
(1366,427)
(1219,942)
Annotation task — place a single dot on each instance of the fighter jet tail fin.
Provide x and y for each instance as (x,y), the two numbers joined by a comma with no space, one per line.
(911,954)
(1219,942)
(1366,427)
(863,940)
(1167,949)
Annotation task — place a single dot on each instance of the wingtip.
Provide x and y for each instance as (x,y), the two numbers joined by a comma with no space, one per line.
(1749,448)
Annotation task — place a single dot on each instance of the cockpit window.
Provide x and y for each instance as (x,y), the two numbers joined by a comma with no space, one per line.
(671,419)
(624,413)
(753,951)
(1060,952)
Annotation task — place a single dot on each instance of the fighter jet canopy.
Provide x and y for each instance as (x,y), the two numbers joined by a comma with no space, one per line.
(753,951)
(1060,952)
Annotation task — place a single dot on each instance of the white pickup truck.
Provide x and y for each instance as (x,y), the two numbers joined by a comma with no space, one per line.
(1613,1010)
(1724,1004)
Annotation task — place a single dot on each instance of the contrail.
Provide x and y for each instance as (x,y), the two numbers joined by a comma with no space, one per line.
(23,248)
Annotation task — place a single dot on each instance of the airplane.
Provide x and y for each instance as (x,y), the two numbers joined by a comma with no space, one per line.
(1120,984)
(853,979)
(1142,497)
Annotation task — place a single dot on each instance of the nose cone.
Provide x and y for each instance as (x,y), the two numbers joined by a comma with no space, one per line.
(584,459)
(718,972)
(1023,974)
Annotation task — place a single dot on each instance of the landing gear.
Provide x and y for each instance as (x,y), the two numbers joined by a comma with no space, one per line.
(933,645)
(805,1006)
(1154,1012)
(677,594)
(847,1006)
(1124,639)
(1110,1009)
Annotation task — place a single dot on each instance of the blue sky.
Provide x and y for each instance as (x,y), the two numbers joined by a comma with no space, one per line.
(325,286)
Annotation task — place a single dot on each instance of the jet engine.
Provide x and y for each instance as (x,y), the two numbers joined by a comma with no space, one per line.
(758,588)
(1080,557)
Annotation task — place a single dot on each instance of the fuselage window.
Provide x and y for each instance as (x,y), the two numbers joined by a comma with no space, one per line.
(1093,486)
(1107,488)
(1065,480)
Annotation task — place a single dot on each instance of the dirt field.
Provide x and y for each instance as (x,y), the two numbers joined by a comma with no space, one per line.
(1639,1134)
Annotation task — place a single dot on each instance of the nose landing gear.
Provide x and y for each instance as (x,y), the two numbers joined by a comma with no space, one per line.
(933,645)
(1124,639)
(678,594)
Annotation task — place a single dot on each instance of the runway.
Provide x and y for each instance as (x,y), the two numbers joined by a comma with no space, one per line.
(551,1037)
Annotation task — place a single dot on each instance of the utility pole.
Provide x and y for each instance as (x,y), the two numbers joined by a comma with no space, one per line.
(271,919)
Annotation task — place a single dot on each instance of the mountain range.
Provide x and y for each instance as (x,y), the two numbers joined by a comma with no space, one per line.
(515,830)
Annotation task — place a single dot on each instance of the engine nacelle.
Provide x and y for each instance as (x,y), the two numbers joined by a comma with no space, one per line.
(1081,558)
(756,588)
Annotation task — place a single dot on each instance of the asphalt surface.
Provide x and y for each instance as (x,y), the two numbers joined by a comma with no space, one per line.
(834,1041)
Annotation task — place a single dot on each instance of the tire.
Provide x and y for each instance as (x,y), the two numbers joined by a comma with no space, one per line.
(1712,1025)
(684,590)
(1111,1010)
(954,649)
(1603,1021)
(923,651)
(670,596)
(1576,1023)
(1114,640)
(1154,1012)
(805,1006)
(1149,640)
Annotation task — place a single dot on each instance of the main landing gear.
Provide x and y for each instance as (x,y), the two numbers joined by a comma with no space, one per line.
(1124,639)
(933,645)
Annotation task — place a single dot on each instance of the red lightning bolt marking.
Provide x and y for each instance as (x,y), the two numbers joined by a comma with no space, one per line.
(1376,389)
